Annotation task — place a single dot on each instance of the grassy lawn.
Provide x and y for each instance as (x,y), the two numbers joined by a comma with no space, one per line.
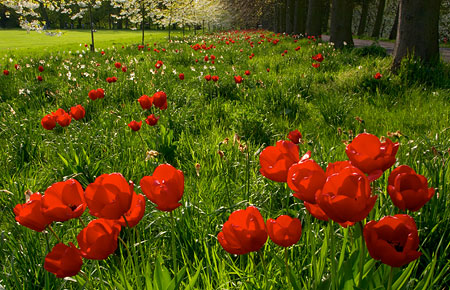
(214,133)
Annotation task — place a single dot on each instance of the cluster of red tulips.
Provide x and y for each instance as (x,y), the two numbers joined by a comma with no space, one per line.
(62,117)
(111,199)
(159,100)
(341,193)
(318,58)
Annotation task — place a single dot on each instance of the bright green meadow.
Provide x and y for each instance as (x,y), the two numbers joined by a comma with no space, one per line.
(330,105)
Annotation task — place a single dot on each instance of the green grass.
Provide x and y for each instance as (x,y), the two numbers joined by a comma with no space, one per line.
(329,105)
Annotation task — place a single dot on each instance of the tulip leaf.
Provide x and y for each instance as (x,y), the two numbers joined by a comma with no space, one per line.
(404,276)
(193,280)
(161,276)
(293,280)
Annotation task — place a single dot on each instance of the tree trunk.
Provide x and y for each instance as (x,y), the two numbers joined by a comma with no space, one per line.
(92,27)
(275,18)
(288,27)
(363,20)
(325,15)
(418,31)
(314,20)
(143,21)
(301,13)
(341,23)
(379,19)
(393,33)
(282,16)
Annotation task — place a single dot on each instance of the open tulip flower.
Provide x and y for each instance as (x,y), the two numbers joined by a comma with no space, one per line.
(165,187)
(284,231)
(98,239)
(30,215)
(370,155)
(109,196)
(134,125)
(407,189)
(244,232)
(393,240)
(64,200)
(63,261)
(275,161)
(346,196)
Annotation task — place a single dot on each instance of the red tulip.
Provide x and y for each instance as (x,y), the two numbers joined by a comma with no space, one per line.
(306,179)
(152,120)
(41,68)
(135,213)
(124,69)
(393,240)
(16,66)
(275,161)
(284,231)
(238,79)
(206,58)
(64,119)
(146,102)
(158,64)
(96,94)
(63,261)
(98,239)
(370,155)
(39,78)
(318,57)
(377,76)
(316,65)
(181,76)
(165,187)
(247,72)
(244,232)
(135,126)
(268,69)
(63,201)
(118,65)
(102,52)
(215,78)
(77,112)
(346,196)
(109,196)
(6,72)
(48,122)
(336,167)
(30,215)
(208,77)
(407,189)
(160,100)
(295,136)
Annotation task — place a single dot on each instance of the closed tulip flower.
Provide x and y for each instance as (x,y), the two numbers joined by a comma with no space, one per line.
(6,72)
(96,94)
(165,187)
(118,65)
(136,212)
(64,120)
(215,78)
(77,112)
(181,76)
(135,126)
(146,102)
(275,161)
(64,200)
(160,100)
(238,79)
(152,120)
(98,239)
(41,68)
(295,136)
(48,122)
(30,215)
(284,231)
(407,189)
(63,261)
(306,178)
(346,196)
(208,78)
(109,196)
(393,240)
(244,232)
(370,155)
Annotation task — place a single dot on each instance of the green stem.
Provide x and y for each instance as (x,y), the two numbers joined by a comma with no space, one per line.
(82,222)
(361,261)
(174,254)
(265,269)
(53,232)
(333,259)
(286,263)
(391,274)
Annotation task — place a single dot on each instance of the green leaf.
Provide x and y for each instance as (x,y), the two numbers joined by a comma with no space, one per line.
(193,280)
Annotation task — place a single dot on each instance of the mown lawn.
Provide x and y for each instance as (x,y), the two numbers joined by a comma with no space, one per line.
(330,105)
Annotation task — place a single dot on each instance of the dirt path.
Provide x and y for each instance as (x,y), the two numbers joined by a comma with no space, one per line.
(389,46)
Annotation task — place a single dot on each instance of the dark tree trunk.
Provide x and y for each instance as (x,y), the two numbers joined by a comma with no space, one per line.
(379,19)
(326,15)
(282,16)
(275,18)
(288,7)
(44,14)
(363,20)
(393,33)
(314,20)
(341,23)
(91,20)
(143,21)
(418,31)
